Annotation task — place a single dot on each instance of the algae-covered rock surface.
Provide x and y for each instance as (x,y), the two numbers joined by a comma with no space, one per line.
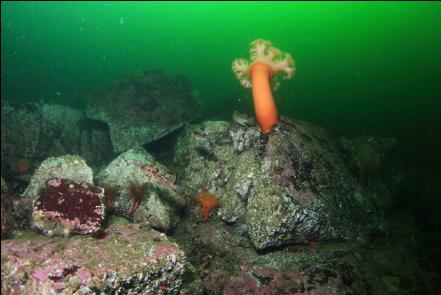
(126,260)
(70,167)
(295,211)
(291,186)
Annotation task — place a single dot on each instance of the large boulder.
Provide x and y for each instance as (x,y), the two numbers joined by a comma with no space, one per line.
(143,107)
(139,188)
(69,167)
(292,186)
(126,260)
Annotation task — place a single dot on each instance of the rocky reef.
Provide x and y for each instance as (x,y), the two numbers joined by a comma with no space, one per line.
(129,113)
(143,107)
(117,257)
(88,206)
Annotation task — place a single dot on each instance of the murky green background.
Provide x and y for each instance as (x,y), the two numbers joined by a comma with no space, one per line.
(362,68)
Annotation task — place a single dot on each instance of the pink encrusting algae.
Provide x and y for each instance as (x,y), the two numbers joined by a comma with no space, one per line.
(146,259)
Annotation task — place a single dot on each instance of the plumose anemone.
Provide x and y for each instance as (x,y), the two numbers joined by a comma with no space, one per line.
(260,73)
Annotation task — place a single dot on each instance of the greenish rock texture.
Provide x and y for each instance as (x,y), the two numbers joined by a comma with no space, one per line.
(142,189)
(20,133)
(225,262)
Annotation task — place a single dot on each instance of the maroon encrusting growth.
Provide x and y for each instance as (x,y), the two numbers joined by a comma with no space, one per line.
(73,204)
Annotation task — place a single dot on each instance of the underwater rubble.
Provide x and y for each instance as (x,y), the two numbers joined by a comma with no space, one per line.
(225,262)
(294,211)
(62,200)
(143,107)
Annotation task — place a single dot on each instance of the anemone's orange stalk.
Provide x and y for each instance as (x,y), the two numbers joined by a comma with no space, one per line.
(264,105)
(266,62)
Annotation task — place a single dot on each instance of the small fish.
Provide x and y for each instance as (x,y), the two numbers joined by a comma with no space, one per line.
(243,119)
(196,134)
(159,176)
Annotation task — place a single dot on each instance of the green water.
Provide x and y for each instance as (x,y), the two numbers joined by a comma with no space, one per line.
(362,68)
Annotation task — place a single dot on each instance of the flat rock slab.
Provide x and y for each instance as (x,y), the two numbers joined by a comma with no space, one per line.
(143,107)
(127,260)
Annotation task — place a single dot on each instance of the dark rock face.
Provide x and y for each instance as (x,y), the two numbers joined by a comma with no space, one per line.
(20,133)
(226,262)
(30,133)
(143,107)
(292,187)
(367,154)
(367,160)
(126,260)
(267,280)
(65,206)
(7,219)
